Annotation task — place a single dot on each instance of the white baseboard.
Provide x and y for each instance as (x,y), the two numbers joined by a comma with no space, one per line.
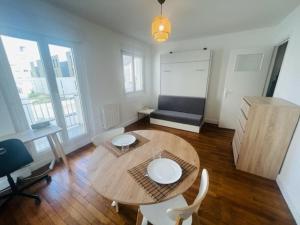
(288,199)
(213,121)
(78,145)
(180,126)
(131,121)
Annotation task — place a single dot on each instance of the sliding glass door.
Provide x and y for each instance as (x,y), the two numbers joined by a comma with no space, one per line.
(30,78)
(66,78)
(45,76)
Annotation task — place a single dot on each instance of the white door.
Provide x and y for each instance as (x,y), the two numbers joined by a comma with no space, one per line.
(246,76)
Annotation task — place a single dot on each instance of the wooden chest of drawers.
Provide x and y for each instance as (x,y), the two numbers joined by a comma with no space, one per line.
(264,129)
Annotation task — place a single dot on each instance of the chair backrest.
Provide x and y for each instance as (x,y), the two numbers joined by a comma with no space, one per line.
(186,212)
(106,135)
(13,156)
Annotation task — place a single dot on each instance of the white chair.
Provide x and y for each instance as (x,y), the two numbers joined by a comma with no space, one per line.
(176,210)
(106,135)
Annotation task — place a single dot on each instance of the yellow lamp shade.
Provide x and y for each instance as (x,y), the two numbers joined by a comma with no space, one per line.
(161,28)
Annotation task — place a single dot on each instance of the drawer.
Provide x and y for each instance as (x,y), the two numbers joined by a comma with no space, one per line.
(245,107)
(237,142)
(235,153)
(242,120)
(239,131)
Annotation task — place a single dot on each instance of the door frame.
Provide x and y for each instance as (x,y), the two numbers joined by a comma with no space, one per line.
(274,54)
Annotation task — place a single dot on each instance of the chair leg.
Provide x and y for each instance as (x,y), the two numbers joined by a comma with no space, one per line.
(115,204)
(179,221)
(19,191)
(9,196)
(6,195)
(140,218)
(29,195)
(36,198)
(5,199)
(196,220)
(145,221)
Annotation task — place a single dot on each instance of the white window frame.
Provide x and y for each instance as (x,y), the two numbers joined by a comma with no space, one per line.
(133,55)
(11,95)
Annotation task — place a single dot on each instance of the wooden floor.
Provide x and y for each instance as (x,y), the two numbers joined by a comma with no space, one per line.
(234,197)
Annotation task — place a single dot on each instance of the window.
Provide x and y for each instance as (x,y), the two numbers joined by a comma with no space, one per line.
(46,93)
(133,72)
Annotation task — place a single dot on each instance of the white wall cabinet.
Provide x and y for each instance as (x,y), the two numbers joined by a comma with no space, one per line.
(185,73)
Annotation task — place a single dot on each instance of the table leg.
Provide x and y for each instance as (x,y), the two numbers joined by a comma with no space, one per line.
(55,153)
(115,204)
(60,150)
(140,219)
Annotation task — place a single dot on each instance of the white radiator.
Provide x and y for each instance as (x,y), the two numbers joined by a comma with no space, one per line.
(110,115)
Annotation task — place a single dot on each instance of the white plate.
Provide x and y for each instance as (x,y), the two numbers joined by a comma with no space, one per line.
(123,140)
(164,171)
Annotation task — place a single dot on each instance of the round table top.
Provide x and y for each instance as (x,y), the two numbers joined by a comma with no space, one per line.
(109,174)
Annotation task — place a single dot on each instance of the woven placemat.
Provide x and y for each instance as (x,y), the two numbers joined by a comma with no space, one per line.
(140,141)
(159,191)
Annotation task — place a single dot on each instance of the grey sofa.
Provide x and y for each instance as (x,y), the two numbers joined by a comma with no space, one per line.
(179,112)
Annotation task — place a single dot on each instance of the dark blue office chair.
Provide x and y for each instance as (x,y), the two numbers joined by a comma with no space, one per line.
(14,156)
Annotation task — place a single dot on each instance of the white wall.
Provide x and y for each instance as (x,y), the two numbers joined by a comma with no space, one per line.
(100,65)
(220,46)
(288,87)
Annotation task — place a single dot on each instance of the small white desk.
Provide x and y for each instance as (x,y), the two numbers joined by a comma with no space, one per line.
(50,132)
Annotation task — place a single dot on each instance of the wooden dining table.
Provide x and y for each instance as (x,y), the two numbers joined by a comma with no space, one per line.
(109,175)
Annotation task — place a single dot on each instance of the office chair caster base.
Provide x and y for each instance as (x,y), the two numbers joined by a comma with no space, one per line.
(48,179)
(37,201)
(36,198)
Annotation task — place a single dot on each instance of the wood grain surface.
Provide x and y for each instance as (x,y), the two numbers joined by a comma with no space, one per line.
(109,174)
(234,197)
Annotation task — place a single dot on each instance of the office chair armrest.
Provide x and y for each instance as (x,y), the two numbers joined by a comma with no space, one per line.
(21,180)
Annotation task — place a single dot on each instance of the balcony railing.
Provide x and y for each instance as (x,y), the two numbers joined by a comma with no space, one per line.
(36,112)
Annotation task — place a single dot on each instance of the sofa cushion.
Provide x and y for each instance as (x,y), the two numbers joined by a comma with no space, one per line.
(179,117)
(193,105)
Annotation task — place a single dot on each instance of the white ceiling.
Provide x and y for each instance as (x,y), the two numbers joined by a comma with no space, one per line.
(190,18)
